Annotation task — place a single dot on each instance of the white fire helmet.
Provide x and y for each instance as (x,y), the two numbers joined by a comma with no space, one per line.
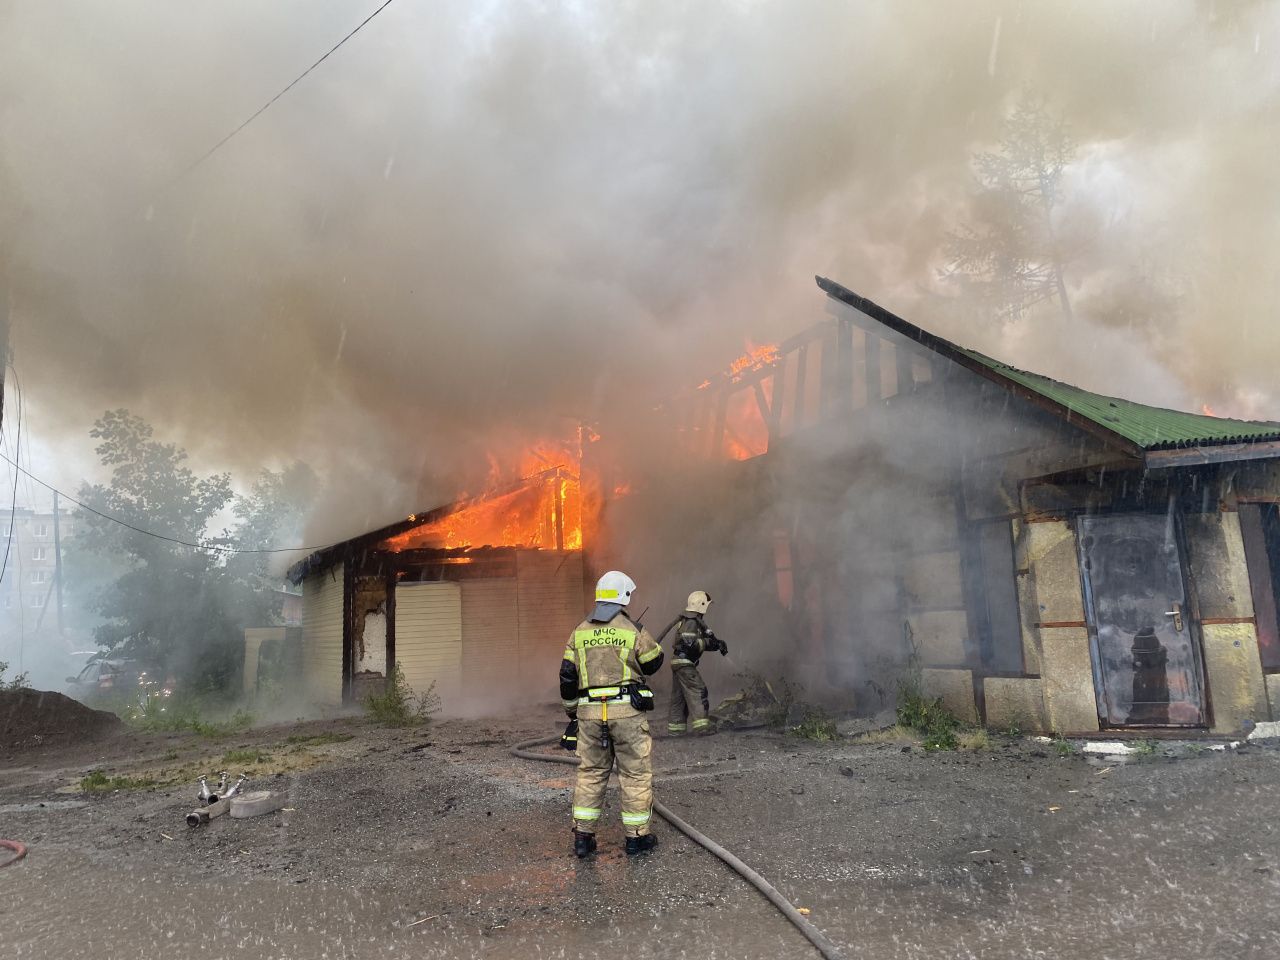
(699,601)
(615,587)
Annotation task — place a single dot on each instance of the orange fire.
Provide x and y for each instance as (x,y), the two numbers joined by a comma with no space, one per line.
(1207,410)
(746,434)
(756,358)
(540,507)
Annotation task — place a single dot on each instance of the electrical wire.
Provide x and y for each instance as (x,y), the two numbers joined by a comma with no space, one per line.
(213,548)
(217,146)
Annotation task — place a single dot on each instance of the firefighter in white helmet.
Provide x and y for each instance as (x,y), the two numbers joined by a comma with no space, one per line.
(603,688)
(689,703)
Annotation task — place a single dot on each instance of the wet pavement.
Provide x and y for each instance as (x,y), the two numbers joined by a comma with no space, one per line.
(437,844)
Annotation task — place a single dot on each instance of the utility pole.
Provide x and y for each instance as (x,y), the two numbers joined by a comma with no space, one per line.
(57,557)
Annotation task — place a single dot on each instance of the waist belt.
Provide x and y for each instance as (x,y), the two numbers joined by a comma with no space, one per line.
(604,695)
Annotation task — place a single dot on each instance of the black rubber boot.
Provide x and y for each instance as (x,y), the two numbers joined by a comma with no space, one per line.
(584,844)
(637,845)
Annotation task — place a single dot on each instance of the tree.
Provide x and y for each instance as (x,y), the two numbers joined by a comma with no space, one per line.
(180,609)
(1012,257)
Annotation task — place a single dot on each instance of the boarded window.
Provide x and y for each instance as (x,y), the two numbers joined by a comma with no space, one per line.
(993,594)
(1260,526)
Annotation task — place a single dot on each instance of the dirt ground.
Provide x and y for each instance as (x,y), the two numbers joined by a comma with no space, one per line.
(437,843)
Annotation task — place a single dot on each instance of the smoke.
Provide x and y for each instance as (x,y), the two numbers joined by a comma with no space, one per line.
(474,223)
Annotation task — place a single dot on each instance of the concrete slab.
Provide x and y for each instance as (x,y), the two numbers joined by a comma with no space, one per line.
(1067,672)
(940,636)
(1055,572)
(1015,702)
(933,579)
(1216,552)
(954,688)
(1268,730)
(1236,686)
(1273,694)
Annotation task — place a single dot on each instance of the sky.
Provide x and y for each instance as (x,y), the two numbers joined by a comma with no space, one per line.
(477,223)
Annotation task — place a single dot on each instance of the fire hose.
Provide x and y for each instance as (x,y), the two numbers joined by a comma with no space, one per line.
(19,851)
(811,933)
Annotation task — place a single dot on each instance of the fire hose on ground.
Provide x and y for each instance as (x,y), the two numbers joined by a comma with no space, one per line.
(19,851)
(811,933)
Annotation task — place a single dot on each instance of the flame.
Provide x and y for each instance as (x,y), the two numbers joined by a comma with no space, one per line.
(756,358)
(1207,410)
(539,507)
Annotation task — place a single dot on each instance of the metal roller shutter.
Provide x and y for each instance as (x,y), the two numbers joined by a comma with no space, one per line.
(490,641)
(322,636)
(429,638)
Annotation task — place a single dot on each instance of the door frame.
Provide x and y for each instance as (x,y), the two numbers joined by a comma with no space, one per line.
(1191,613)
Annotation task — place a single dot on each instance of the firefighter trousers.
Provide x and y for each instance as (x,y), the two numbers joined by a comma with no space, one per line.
(689,704)
(632,746)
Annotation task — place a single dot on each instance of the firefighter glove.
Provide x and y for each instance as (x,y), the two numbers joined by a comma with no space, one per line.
(569,739)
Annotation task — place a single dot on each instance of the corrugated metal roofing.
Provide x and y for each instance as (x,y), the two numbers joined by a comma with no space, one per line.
(1152,428)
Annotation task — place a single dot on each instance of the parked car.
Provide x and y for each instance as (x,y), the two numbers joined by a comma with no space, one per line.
(108,675)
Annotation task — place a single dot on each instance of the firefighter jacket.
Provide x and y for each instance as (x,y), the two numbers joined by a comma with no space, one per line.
(693,639)
(603,662)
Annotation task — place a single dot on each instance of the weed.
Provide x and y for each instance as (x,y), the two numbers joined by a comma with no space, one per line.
(898,736)
(1064,747)
(398,707)
(19,681)
(1014,728)
(816,725)
(171,755)
(973,740)
(928,717)
(98,782)
(318,739)
(1144,748)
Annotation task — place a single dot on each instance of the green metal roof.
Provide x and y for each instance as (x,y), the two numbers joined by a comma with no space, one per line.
(1152,428)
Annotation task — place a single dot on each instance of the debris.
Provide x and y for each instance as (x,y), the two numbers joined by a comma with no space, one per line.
(803,911)
(1269,730)
(846,771)
(1109,748)
(976,852)
(425,919)
(166,836)
(1054,809)
(1104,770)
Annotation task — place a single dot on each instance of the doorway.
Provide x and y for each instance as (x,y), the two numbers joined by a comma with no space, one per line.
(1146,655)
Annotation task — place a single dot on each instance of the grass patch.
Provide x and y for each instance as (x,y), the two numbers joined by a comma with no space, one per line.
(817,724)
(1064,747)
(935,723)
(398,707)
(241,757)
(318,739)
(897,736)
(98,782)
(1144,748)
(973,740)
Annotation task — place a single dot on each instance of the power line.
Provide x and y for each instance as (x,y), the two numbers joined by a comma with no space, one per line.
(159,536)
(217,146)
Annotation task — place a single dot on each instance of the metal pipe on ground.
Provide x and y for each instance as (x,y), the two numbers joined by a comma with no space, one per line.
(770,892)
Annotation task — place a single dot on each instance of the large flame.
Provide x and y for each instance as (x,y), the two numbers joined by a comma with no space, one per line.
(539,506)
(746,434)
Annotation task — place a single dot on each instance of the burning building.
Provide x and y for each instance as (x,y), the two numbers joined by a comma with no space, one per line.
(470,597)
(869,502)
(888,505)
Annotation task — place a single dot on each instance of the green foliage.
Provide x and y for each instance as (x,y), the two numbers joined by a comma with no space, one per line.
(1144,748)
(929,718)
(1064,747)
(398,707)
(180,714)
(17,682)
(817,724)
(178,610)
(98,782)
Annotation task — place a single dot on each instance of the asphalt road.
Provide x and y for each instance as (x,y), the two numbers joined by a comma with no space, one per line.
(436,843)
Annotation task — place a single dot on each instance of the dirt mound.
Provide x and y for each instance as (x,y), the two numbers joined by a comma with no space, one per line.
(32,718)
